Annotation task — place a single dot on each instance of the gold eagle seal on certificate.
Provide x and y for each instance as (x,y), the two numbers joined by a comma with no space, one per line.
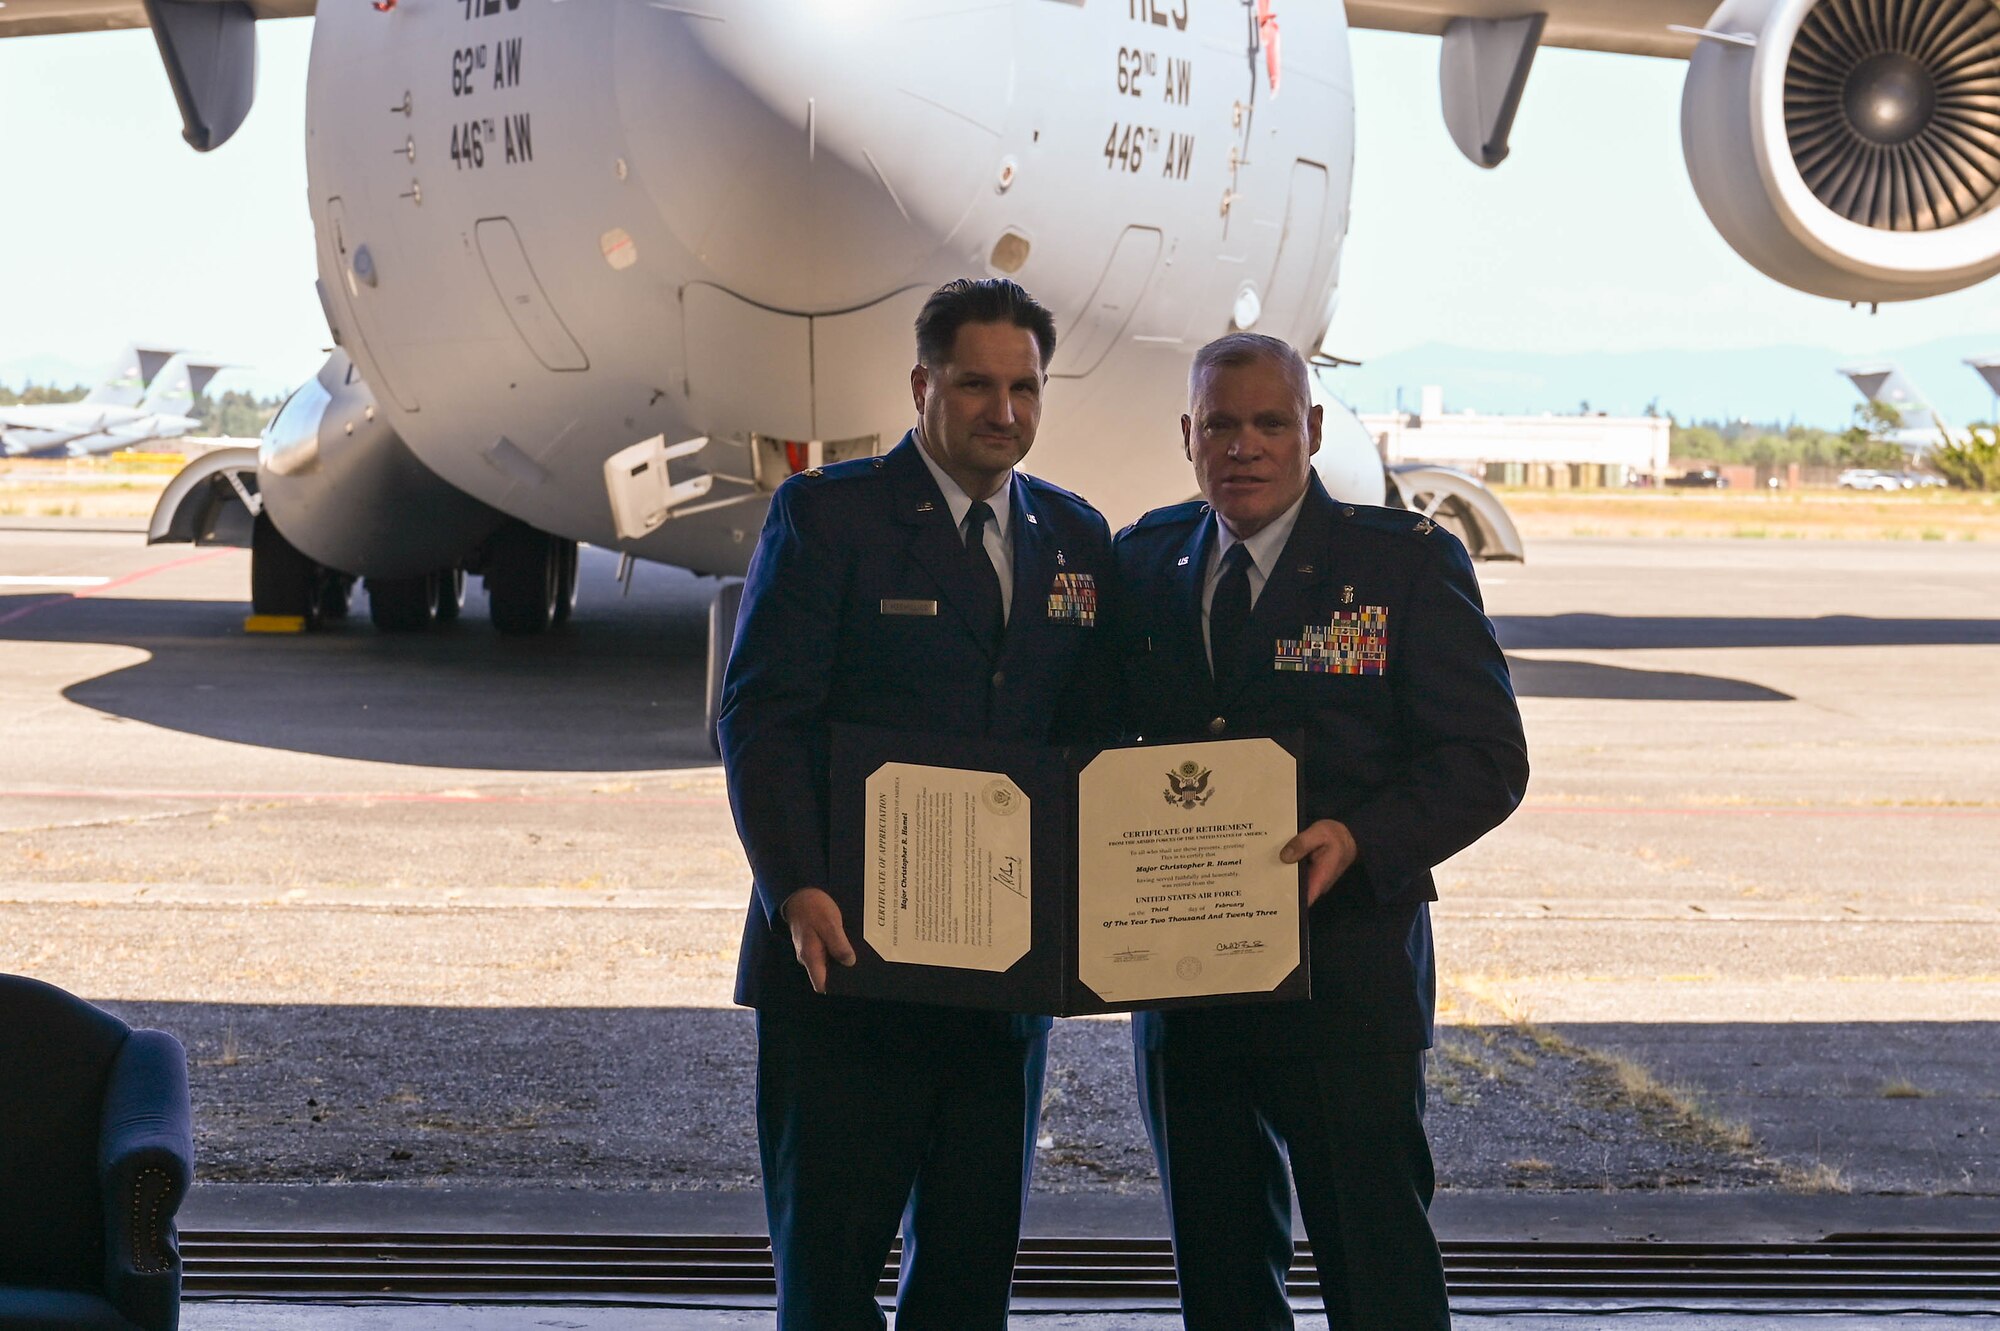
(1187,785)
(1000,797)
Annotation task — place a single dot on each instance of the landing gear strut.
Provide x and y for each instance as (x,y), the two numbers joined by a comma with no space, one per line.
(722,612)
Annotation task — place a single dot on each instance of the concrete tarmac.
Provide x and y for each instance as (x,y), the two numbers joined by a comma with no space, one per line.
(1755,863)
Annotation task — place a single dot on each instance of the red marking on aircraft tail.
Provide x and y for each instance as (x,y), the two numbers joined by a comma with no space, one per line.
(1267,37)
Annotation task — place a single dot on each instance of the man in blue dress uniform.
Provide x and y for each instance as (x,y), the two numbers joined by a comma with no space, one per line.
(1273,608)
(934,589)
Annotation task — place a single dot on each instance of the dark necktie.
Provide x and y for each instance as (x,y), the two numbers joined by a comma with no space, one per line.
(1229,612)
(991,609)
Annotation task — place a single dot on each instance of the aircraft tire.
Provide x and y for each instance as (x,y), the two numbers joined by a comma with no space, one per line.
(283,581)
(403,605)
(521,568)
(451,594)
(566,573)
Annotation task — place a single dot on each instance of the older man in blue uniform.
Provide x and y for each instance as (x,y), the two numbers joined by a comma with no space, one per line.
(933,589)
(1272,608)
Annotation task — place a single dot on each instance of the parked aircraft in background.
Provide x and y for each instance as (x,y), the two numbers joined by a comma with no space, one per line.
(145,397)
(694,235)
(1918,427)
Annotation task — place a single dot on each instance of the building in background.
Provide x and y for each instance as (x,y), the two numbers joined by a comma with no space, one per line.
(1541,451)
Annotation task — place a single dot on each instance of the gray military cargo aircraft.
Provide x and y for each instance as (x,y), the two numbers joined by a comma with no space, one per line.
(691,235)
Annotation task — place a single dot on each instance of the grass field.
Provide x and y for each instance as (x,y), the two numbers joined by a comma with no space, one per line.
(115,487)
(128,487)
(1835,515)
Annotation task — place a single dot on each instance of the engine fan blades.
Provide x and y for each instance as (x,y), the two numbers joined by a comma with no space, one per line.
(1892,109)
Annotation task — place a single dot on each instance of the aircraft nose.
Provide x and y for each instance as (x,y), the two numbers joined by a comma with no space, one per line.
(814,157)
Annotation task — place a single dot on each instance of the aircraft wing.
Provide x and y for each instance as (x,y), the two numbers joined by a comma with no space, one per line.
(1626,27)
(40,18)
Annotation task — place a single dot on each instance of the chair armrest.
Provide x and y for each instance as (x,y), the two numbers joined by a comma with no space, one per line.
(145,1155)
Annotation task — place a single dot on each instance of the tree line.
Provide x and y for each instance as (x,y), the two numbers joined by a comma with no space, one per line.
(232,415)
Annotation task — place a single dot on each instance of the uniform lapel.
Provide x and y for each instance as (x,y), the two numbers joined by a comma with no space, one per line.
(1182,622)
(935,543)
(1034,569)
(1282,606)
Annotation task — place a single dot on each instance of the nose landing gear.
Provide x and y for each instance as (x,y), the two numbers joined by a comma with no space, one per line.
(288,591)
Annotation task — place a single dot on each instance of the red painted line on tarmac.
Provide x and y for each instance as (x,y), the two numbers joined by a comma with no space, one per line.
(112,585)
(1753,812)
(359,797)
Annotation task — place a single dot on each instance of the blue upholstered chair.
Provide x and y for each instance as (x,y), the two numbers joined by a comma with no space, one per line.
(96,1151)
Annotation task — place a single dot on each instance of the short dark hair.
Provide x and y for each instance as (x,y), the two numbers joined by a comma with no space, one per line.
(981,300)
(1233,350)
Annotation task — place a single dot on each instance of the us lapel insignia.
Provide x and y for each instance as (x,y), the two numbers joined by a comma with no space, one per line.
(1034,520)
(1355,642)
(1181,562)
(926,507)
(1073,600)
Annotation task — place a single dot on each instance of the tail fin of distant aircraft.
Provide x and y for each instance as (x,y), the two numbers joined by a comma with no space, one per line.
(1920,425)
(183,379)
(128,378)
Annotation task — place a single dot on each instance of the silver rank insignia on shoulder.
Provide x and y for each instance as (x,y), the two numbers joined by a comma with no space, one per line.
(1346,594)
(814,472)
(878,464)
(1425,526)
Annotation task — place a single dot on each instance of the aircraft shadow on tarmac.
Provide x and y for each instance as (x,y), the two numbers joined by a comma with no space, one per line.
(1542,678)
(620,689)
(1534,678)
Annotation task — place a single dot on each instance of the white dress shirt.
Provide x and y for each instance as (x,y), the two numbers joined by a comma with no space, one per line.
(999,533)
(1264,548)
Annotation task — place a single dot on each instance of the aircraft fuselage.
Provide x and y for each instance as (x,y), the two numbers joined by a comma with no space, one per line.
(548,230)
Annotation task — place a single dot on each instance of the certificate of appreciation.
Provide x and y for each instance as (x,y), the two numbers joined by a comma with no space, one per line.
(948,877)
(1027,878)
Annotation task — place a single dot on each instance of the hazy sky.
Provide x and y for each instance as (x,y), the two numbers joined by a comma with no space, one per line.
(1588,237)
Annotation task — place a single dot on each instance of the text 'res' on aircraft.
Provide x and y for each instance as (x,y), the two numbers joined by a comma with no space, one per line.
(610,272)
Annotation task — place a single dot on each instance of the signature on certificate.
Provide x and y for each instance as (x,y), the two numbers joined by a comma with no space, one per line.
(1007,873)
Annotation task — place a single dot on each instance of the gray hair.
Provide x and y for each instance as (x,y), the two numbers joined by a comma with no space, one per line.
(1234,350)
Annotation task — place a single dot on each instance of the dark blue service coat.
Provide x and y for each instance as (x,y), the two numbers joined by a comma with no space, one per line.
(1369,638)
(827,635)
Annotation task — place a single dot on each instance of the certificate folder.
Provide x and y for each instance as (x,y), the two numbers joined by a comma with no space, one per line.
(961,880)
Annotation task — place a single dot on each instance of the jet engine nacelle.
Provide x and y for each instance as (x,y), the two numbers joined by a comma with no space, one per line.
(344,488)
(1851,148)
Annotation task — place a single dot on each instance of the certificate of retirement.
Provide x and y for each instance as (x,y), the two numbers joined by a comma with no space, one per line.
(1180,891)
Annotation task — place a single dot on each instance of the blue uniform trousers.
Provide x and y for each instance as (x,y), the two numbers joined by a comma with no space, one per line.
(1352,1126)
(857,1134)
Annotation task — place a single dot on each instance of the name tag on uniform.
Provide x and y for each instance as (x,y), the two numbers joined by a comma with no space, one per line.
(1356,642)
(909,607)
(1073,600)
